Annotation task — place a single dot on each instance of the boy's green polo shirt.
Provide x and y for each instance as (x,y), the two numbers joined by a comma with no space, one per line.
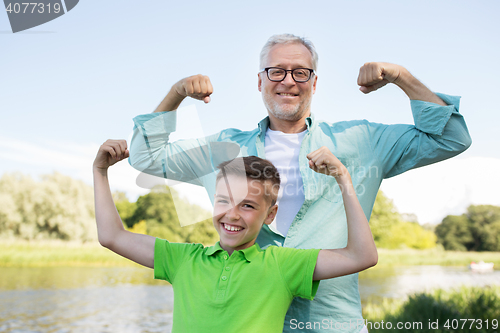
(249,291)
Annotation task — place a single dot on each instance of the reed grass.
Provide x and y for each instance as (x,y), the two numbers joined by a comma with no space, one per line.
(466,309)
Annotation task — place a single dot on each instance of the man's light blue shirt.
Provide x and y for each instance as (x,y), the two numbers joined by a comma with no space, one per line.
(370,151)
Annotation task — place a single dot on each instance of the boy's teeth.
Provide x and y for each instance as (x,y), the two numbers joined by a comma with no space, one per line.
(231,228)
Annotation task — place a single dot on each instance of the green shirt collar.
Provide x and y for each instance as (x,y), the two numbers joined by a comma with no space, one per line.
(213,249)
(249,253)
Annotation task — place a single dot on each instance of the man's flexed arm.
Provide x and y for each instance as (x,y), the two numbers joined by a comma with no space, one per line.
(360,252)
(110,230)
(196,86)
(439,131)
(375,75)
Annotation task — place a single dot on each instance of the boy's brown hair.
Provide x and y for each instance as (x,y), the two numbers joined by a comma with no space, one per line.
(256,168)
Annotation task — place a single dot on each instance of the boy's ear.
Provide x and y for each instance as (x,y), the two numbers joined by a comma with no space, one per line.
(271,214)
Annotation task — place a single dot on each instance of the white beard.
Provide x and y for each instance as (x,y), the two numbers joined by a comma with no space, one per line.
(286,111)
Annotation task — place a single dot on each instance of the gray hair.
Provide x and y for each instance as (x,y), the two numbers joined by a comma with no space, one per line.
(288,39)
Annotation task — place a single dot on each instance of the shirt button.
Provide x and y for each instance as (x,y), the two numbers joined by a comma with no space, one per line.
(228,268)
(224,278)
(225,256)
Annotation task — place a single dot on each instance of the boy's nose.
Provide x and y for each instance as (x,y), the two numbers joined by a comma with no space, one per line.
(233,214)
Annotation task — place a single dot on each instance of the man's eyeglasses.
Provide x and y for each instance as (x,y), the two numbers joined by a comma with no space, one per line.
(277,74)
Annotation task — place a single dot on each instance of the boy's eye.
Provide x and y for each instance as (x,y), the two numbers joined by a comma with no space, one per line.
(247,205)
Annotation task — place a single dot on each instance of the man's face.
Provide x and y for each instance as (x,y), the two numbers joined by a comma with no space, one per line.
(238,223)
(288,100)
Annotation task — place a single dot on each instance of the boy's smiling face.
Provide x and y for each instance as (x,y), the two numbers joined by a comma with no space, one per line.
(239,218)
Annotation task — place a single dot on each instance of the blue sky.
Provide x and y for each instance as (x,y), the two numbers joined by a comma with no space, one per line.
(70,84)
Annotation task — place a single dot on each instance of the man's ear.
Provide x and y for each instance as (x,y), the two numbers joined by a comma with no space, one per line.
(260,82)
(314,83)
(271,214)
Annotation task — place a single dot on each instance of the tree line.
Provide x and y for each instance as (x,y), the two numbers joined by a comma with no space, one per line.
(476,230)
(59,207)
(56,207)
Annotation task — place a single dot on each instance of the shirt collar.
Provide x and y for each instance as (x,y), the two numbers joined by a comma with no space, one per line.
(310,123)
(249,253)
(213,249)
(264,124)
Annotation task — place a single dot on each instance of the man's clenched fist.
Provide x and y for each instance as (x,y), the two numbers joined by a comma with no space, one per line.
(375,75)
(196,86)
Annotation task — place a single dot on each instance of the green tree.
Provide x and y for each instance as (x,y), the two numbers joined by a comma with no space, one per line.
(383,219)
(57,207)
(157,209)
(125,208)
(484,225)
(454,234)
(390,231)
(10,216)
(417,237)
(476,230)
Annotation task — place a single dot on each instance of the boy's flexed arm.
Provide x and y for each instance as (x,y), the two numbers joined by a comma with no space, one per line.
(360,252)
(110,230)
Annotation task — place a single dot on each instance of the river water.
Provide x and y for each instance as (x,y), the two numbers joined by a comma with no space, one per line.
(128,299)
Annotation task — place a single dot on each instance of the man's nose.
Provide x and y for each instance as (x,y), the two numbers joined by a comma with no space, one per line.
(288,80)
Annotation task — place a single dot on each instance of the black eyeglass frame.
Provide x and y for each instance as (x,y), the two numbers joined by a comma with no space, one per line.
(286,73)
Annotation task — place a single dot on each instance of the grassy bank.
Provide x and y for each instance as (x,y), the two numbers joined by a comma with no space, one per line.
(57,253)
(467,309)
(435,257)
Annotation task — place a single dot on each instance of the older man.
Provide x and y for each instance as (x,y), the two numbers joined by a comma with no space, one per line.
(310,214)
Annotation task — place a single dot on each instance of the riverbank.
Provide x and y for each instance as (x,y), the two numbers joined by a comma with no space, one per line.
(436,256)
(58,253)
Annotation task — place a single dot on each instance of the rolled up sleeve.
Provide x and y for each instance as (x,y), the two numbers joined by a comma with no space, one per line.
(439,133)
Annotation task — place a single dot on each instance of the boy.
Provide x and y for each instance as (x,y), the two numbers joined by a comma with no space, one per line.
(234,286)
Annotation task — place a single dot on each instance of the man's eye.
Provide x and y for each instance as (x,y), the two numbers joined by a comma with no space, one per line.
(249,206)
